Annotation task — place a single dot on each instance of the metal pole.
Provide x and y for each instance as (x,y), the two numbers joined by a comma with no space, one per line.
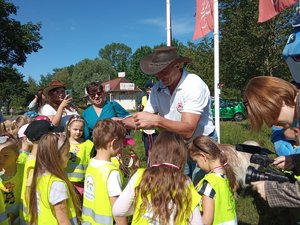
(168,25)
(216,69)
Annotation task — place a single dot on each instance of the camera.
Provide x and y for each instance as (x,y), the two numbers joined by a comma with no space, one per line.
(260,156)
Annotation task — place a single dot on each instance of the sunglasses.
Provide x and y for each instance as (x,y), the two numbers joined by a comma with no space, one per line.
(93,95)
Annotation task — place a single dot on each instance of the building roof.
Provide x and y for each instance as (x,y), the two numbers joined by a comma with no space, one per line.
(120,84)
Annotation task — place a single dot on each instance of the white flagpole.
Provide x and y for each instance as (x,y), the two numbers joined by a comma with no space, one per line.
(216,68)
(168,19)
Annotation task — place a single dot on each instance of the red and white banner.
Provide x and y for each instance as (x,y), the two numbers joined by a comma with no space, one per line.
(204,18)
(270,8)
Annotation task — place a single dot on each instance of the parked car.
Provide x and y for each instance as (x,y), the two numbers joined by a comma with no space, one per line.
(230,109)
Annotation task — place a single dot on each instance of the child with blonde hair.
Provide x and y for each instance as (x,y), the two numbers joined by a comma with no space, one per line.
(102,184)
(52,197)
(80,151)
(161,194)
(12,177)
(218,185)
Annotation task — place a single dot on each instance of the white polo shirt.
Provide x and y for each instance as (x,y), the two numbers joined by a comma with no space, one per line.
(191,95)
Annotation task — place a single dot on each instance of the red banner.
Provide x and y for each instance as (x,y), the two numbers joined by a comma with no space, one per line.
(270,8)
(204,18)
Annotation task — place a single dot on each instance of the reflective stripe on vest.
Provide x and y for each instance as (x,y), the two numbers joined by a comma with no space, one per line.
(77,175)
(100,219)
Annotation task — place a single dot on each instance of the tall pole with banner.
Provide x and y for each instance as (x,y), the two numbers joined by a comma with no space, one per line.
(217,68)
(168,21)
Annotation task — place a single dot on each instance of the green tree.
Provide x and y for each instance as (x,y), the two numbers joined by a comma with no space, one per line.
(17,40)
(12,87)
(118,55)
(89,70)
(247,48)
(136,75)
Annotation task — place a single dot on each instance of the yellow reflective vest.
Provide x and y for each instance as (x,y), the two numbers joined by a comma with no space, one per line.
(79,160)
(224,211)
(24,210)
(46,212)
(96,201)
(144,219)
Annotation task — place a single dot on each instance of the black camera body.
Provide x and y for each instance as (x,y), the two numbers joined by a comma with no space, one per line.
(260,156)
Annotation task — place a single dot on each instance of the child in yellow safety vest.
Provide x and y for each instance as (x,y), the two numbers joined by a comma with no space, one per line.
(12,177)
(102,184)
(53,199)
(218,185)
(80,151)
(161,194)
(34,131)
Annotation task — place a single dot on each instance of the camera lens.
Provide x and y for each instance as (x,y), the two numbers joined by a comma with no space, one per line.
(254,175)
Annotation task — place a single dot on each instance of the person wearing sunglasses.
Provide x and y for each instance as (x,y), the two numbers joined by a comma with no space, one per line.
(100,108)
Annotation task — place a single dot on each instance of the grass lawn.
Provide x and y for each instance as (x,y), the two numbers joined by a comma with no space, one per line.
(251,209)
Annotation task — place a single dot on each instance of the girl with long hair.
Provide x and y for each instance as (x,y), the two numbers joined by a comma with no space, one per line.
(80,151)
(161,194)
(218,185)
(53,199)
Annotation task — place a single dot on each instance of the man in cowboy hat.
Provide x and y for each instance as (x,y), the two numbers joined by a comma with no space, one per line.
(179,101)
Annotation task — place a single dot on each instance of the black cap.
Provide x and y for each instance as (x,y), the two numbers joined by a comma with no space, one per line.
(149,84)
(36,129)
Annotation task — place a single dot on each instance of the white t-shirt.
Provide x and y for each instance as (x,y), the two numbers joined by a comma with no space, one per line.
(191,95)
(48,110)
(58,192)
(114,184)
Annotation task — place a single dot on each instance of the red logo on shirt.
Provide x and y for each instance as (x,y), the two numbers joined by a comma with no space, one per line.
(179,107)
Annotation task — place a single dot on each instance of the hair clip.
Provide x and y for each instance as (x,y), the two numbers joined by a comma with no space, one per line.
(166,164)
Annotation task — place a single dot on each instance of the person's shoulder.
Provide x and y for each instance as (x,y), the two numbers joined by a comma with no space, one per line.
(87,110)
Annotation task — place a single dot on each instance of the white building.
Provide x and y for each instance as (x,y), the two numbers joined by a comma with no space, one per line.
(123,92)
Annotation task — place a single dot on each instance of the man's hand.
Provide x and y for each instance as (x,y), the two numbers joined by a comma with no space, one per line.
(259,186)
(145,120)
(284,162)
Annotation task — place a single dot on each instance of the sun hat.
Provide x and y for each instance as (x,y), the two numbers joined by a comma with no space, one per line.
(53,85)
(36,129)
(22,130)
(160,59)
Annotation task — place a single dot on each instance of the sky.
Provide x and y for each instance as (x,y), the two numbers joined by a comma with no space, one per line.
(73,30)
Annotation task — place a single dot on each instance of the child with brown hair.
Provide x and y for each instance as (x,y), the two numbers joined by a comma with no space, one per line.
(161,194)
(102,184)
(218,185)
(52,197)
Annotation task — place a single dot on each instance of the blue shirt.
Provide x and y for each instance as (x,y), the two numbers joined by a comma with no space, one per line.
(283,147)
(109,110)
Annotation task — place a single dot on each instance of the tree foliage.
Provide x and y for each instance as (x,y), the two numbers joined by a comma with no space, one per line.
(17,40)
(136,75)
(12,86)
(87,71)
(117,54)
(249,49)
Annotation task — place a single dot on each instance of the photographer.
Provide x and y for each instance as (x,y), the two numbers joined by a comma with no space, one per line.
(59,107)
(281,194)
(274,101)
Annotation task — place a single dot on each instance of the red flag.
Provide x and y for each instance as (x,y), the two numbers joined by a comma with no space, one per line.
(270,8)
(204,18)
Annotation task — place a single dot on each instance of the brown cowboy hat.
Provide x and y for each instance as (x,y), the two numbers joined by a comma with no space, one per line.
(52,85)
(160,59)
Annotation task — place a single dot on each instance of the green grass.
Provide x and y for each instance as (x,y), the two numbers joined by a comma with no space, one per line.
(251,209)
